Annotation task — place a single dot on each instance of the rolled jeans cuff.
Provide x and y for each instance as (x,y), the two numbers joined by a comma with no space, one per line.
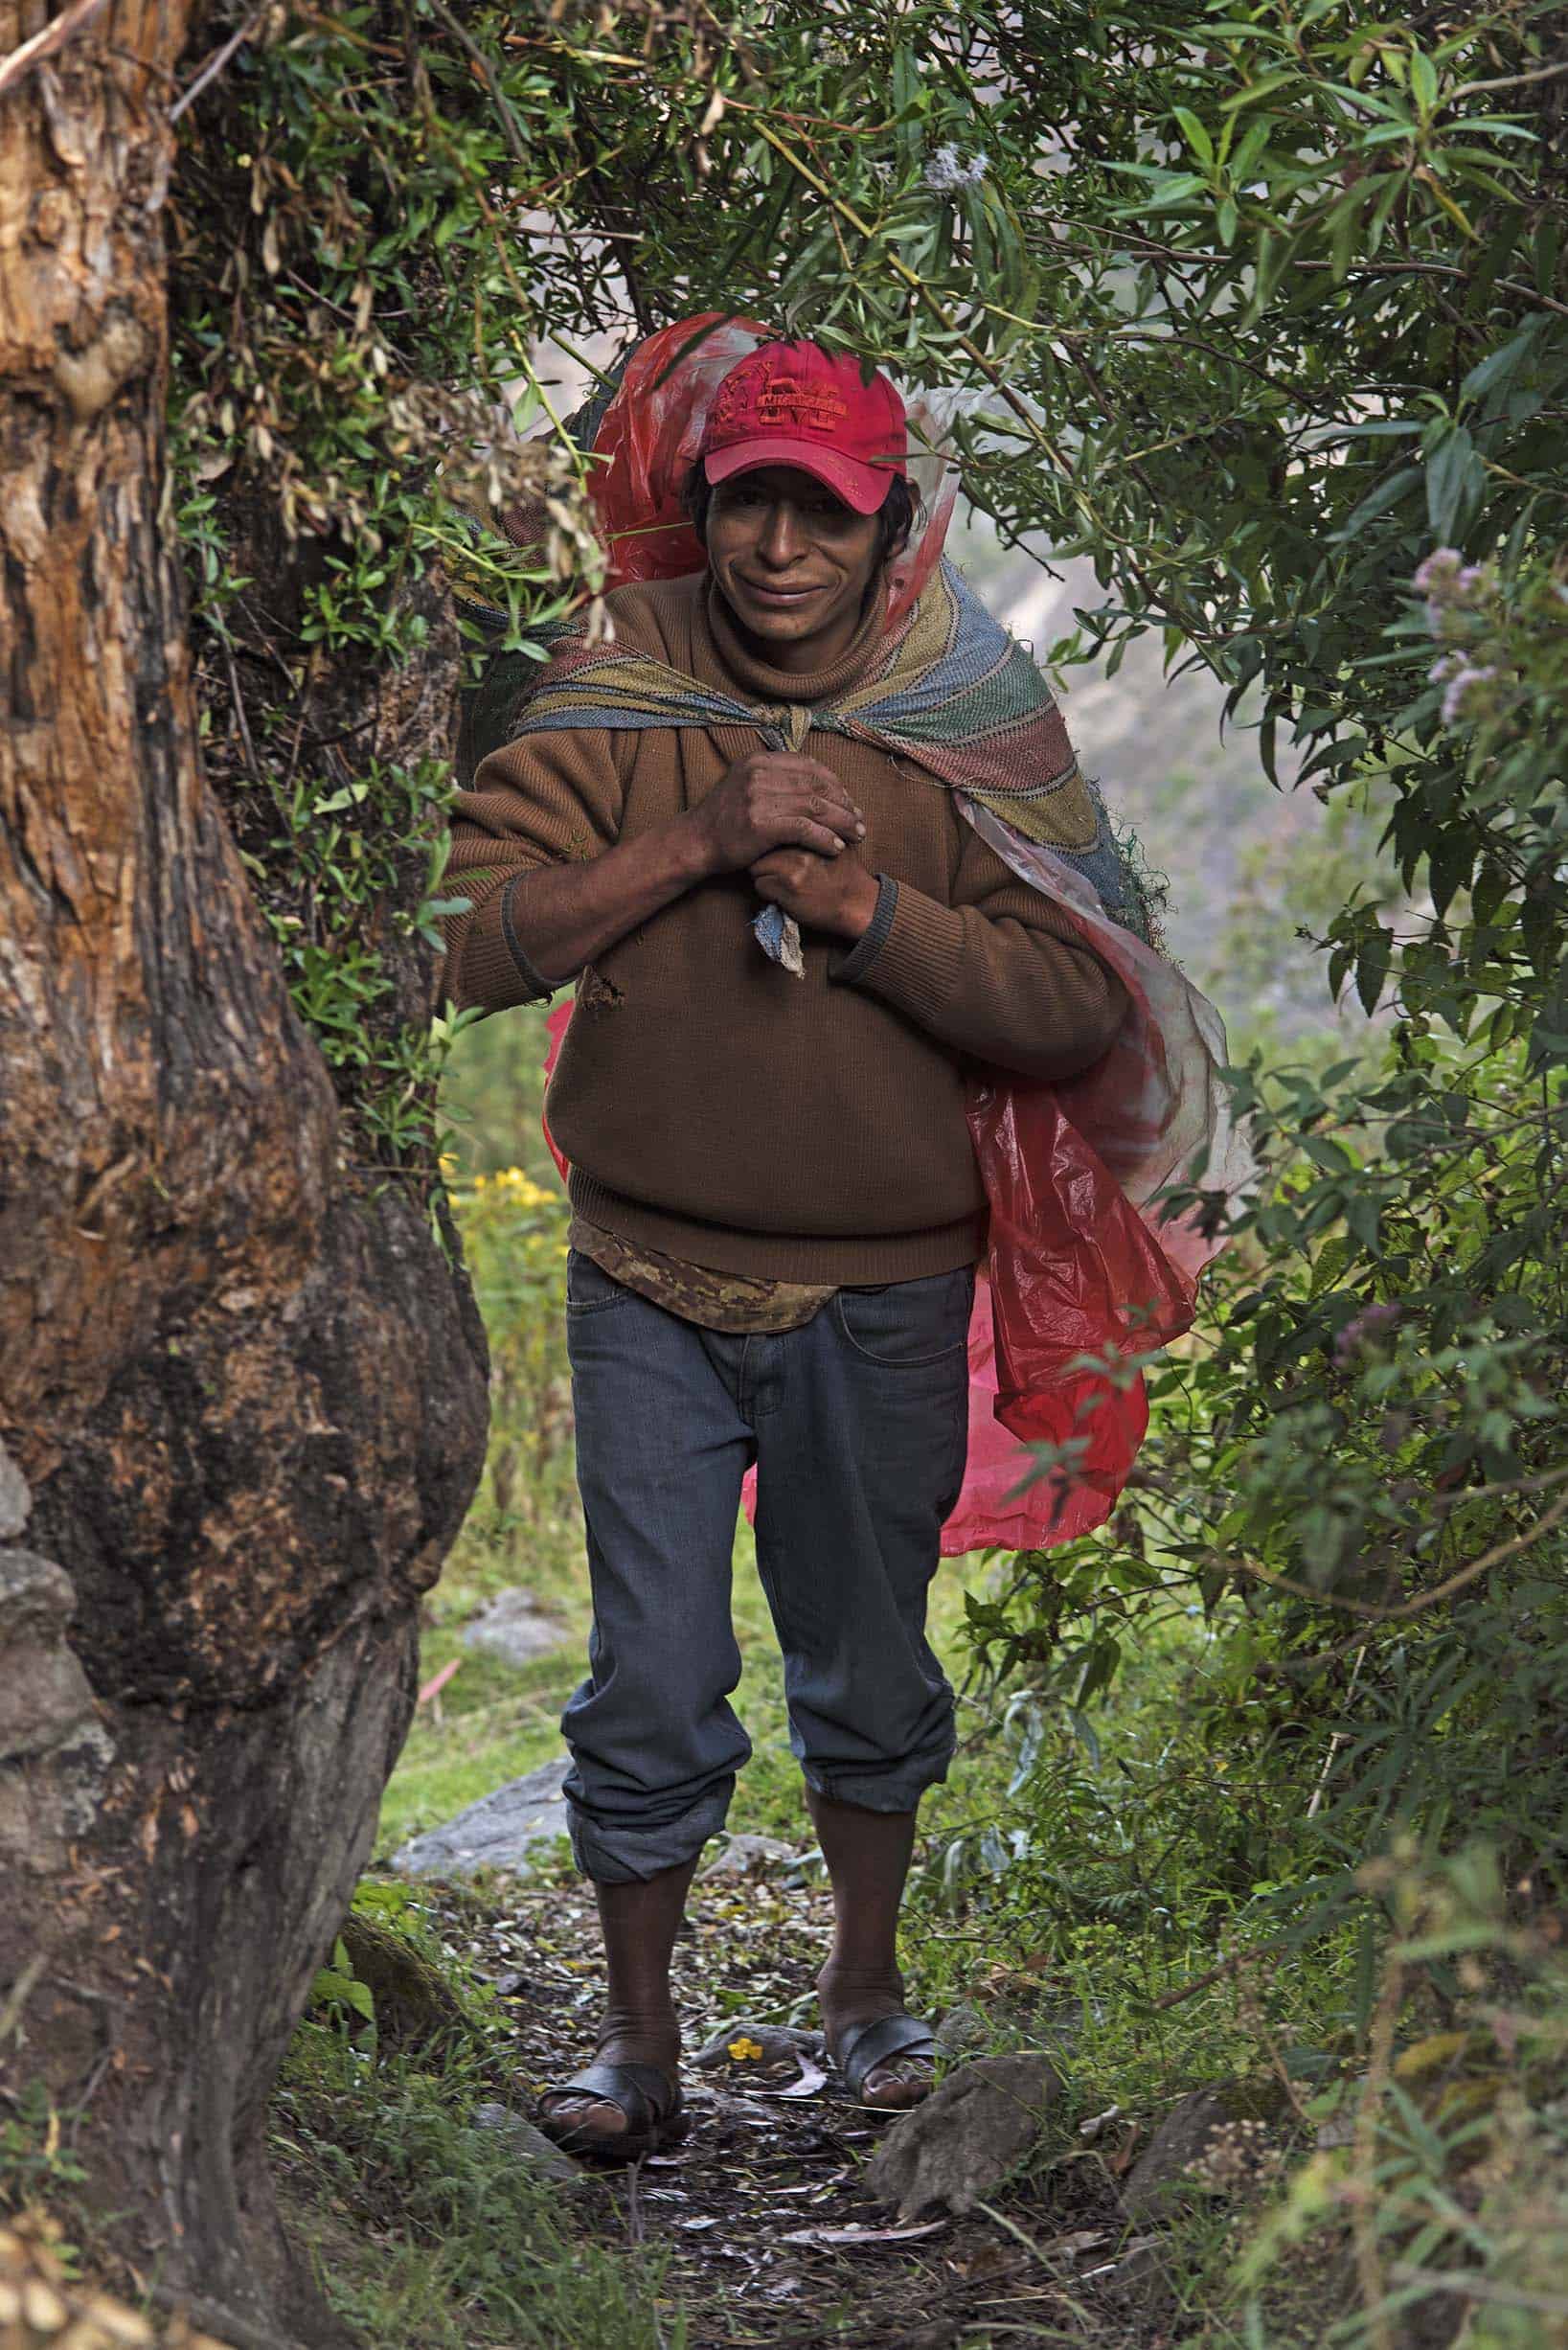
(899,1790)
(613,1856)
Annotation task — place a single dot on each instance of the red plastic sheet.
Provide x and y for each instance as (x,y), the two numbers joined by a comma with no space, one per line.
(1072,1272)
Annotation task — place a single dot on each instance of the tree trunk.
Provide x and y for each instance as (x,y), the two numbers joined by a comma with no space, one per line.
(246,1392)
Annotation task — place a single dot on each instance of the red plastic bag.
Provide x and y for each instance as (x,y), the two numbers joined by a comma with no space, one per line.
(1072,1271)
(1005,1501)
(649,437)
(554,1028)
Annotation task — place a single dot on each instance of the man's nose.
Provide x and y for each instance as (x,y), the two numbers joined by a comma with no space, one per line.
(782,540)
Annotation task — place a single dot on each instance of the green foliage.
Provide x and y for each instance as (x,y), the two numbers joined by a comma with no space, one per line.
(493,1092)
(348,326)
(432,2232)
(1444,2161)
(38,2166)
(337,1988)
(514,1239)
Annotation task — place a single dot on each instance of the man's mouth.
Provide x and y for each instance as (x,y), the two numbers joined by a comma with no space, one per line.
(775,598)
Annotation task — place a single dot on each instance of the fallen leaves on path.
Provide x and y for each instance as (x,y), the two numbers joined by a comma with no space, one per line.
(761,2214)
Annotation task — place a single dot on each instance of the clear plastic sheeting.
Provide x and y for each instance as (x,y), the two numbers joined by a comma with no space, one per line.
(1085,1258)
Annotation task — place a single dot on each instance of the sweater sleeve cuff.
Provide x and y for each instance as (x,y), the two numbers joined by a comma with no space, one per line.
(539,990)
(915,962)
(848,970)
(494,966)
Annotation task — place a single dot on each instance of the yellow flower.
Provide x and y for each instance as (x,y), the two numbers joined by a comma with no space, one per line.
(521,1189)
(744,2051)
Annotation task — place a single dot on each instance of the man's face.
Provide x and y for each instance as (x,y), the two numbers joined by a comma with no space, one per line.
(793,562)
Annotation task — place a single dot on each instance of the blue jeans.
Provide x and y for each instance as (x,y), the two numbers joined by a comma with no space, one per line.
(857,1423)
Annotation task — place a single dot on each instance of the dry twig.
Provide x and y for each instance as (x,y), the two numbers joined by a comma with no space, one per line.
(54,35)
(216,62)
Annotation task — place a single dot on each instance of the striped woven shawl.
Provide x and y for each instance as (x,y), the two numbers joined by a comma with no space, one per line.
(952,693)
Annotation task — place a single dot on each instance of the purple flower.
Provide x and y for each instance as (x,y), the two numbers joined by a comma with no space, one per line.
(1456,692)
(1447,581)
(1436,575)
(1365,1328)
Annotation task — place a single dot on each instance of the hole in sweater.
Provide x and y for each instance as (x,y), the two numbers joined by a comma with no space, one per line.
(595,993)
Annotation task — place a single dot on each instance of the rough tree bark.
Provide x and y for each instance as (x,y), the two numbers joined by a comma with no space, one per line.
(246,1391)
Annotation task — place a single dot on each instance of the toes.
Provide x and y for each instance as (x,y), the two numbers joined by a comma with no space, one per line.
(896,2086)
(583,2117)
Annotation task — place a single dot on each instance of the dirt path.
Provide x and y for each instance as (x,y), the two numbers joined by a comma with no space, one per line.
(754,2211)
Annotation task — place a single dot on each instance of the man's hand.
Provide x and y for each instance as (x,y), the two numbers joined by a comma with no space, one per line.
(768,800)
(835,895)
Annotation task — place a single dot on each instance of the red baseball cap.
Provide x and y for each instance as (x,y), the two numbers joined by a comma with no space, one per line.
(796,404)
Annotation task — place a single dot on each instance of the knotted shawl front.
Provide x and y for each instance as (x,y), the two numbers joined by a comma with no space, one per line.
(952,693)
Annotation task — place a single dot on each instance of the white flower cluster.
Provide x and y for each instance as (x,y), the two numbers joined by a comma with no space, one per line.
(1454,589)
(946,170)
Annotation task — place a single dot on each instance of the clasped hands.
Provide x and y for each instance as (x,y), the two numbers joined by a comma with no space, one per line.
(787,820)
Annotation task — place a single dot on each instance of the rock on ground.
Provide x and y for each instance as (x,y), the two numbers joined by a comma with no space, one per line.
(531,2146)
(503,1829)
(966,2029)
(963,2027)
(1179,2141)
(514,1626)
(743,1854)
(959,2146)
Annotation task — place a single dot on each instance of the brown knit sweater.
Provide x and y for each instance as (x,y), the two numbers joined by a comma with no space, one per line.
(712,1106)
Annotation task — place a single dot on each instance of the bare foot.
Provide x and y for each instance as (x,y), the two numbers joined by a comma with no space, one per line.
(900,2081)
(586,2124)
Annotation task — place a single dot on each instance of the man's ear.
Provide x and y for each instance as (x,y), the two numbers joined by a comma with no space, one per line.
(696,498)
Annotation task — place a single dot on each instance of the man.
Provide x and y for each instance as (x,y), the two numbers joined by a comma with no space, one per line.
(777,1211)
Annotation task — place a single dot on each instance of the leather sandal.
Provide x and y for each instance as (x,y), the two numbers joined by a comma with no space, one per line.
(649,2098)
(864,2047)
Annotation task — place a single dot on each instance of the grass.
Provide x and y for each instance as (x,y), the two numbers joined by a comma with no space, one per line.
(424,2227)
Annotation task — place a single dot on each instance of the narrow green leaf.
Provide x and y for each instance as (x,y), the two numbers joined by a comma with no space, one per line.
(1455,479)
(1423,81)
(1500,366)
(1449,867)
(1371,963)
(1197,137)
